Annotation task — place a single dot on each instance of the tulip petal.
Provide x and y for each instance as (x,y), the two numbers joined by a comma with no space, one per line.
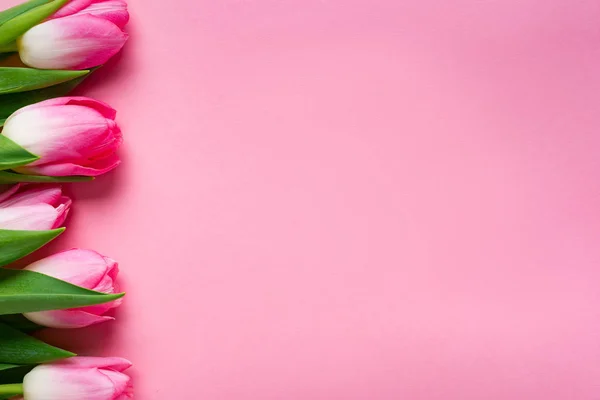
(66,319)
(72,7)
(38,217)
(69,169)
(38,207)
(114,11)
(115,363)
(107,283)
(121,382)
(73,42)
(62,211)
(9,192)
(37,195)
(106,110)
(81,267)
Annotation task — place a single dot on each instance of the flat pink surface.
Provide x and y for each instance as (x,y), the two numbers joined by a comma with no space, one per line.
(353,199)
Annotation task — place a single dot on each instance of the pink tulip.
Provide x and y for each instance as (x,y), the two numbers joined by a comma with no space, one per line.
(83,34)
(85,268)
(79,378)
(113,10)
(70,135)
(33,207)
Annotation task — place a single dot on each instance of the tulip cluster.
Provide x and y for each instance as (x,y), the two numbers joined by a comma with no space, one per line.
(49,138)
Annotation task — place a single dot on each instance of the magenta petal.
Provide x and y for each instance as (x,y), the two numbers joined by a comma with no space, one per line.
(114,11)
(100,106)
(72,7)
(116,363)
(36,195)
(72,169)
(9,192)
(103,108)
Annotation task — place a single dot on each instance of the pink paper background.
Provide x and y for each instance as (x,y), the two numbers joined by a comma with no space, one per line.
(353,199)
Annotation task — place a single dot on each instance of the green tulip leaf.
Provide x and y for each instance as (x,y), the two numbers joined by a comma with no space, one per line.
(19,348)
(16,26)
(17,10)
(11,177)
(27,291)
(11,102)
(14,80)
(12,155)
(17,244)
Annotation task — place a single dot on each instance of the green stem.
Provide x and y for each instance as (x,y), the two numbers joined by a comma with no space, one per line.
(11,177)
(11,390)
(9,48)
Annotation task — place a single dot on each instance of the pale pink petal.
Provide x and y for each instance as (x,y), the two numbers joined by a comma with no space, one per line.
(81,267)
(107,284)
(34,217)
(65,319)
(73,42)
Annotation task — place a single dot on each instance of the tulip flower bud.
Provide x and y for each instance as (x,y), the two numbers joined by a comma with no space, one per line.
(85,39)
(70,135)
(34,207)
(79,378)
(85,268)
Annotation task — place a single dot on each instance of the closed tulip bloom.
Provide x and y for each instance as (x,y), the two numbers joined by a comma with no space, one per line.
(85,268)
(114,11)
(33,207)
(79,41)
(79,378)
(70,135)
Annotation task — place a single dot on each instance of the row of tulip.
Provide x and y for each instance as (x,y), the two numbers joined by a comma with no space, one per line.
(49,138)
